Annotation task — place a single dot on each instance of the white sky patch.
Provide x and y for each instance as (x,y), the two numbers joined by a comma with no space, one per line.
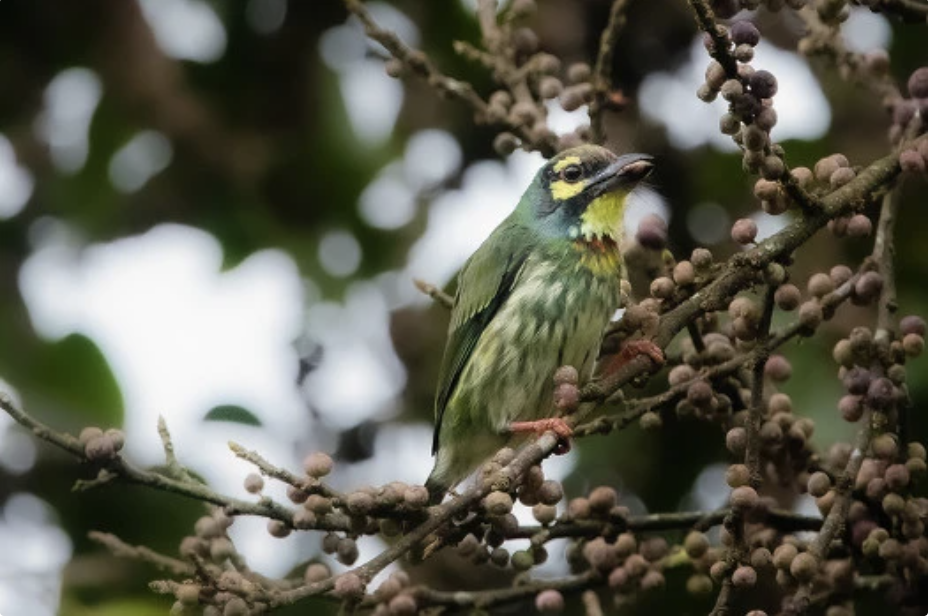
(372,98)
(16,182)
(186,29)
(768,225)
(35,550)
(865,30)
(360,375)
(431,157)
(670,99)
(144,156)
(562,122)
(339,253)
(71,98)
(460,220)
(709,491)
(181,335)
(388,202)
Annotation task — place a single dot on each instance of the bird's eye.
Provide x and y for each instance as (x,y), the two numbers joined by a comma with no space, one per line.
(572,173)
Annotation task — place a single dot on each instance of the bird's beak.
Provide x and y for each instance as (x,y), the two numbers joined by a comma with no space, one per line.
(625,172)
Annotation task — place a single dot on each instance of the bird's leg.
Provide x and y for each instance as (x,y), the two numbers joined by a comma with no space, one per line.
(629,351)
(550,424)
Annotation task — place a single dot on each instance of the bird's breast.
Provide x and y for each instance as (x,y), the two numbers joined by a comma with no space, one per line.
(555,316)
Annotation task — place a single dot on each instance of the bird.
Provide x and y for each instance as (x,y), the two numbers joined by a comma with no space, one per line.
(536,295)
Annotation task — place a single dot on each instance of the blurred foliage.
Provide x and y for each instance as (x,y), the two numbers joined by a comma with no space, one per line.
(264,156)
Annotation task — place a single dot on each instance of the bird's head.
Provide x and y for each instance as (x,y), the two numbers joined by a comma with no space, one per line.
(580,193)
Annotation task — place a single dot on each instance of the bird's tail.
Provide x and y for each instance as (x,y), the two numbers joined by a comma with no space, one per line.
(437,489)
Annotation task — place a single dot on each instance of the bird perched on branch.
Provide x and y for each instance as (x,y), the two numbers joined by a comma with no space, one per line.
(536,295)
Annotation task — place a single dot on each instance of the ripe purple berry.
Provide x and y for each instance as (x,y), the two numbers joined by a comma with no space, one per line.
(745,33)
(763,84)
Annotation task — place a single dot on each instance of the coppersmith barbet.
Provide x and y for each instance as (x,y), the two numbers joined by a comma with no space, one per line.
(536,295)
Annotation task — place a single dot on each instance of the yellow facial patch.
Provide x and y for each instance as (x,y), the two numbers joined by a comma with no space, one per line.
(560,189)
(563,191)
(603,217)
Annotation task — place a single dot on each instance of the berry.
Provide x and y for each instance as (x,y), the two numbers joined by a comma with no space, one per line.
(744,577)
(783,556)
(566,375)
(763,84)
(549,601)
(745,33)
(505,143)
(803,567)
(348,586)
(254,483)
(778,368)
(549,87)
(316,572)
(498,503)
(403,604)
(881,393)
(736,441)
(787,297)
(811,314)
(819,484)
(652,580)
(579,72)
(652,232)
(599,554)
(851,408)
(820,285)
(416,497)
(100,448)
(744,497)
(277,528)
(918,83)
(696,544)
(744,231)
(868,286)
(550,492)
(603,499)
(841,176)
(912,324)
(318,464)
(859,226)
(88,434)
(684,273)
(566,397)
(911,161)
(857,380)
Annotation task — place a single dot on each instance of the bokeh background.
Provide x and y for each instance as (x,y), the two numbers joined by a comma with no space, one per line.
(213,211)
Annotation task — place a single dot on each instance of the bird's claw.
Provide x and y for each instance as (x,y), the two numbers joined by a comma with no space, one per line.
(634,348)
(629,351)
(550,424)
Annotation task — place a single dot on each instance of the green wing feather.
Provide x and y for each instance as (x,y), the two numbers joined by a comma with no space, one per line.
(484,284)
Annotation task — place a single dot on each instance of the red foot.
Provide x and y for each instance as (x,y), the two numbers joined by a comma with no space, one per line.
(629,351)
(551,424)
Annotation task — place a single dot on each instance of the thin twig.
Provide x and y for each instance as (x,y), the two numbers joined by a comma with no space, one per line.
(140,552)
(602,70)
(636,408)
(442,298)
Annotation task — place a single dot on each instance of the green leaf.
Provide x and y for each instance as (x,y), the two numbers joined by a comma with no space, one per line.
(233,413)
(72,374)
